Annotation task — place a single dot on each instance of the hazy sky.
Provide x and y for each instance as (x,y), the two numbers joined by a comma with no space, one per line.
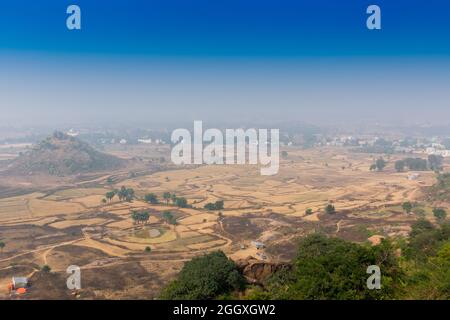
(224,60)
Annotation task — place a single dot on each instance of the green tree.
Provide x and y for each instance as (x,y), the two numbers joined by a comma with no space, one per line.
(148,249)
(205,277)
(140,216)
(46,268)
(440,213)
(126,194)
(429,249)
(218,205)
(407,206)
(181,202)
(2,245)
(110,195)
(380,164)
(135,217)
(399,165)
(332,268)
(166,197)
(169,217)
(424,239)
(330,209)
(151,198)
(308,211)
(435,162)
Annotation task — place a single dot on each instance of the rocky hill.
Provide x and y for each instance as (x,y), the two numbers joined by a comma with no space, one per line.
(63,155)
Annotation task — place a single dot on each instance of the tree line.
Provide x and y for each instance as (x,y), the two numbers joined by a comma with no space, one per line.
(332,268)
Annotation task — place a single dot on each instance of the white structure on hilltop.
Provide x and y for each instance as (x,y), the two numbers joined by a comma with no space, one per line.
(437,152)
(147,141)
(72,133)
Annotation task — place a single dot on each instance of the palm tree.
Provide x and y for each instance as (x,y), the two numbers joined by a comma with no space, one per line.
(166,196)
(135,217)
(109,195)
(122,193)
(129,194)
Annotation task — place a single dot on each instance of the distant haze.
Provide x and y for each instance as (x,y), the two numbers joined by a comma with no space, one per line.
(229,61)
(45,91)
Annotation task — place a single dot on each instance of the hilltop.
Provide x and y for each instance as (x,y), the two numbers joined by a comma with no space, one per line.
(63,155)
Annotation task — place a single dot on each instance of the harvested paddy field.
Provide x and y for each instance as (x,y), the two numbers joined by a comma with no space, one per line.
(122,258)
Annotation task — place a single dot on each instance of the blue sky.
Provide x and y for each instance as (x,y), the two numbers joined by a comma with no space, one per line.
(223,59)
(264,28)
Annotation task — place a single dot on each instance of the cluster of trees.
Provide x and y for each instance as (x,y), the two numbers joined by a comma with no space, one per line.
(140,216)
(218,205)
(379,165)
(439,213)
(167,196)
(123,193)
(128,194)
(427,261)
(151,198)
(169,217)
(181,202)
(332,268)
(434,163)
(329,209)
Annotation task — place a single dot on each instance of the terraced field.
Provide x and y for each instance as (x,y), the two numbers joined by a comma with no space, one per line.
(73,225)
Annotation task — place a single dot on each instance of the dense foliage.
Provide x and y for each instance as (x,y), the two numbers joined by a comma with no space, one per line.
(218,205)
(332,268)
(428,261)
(205,277)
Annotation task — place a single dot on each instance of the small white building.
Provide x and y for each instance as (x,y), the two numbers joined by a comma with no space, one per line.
(19,282)
(413,176)
(146,141)
(72,133)
(258,245)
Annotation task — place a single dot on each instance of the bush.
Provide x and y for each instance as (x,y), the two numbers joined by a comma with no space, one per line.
(439,213)
(218,205)
(181,202)
(46,268)
(331,268)
(330,209)
(206,277)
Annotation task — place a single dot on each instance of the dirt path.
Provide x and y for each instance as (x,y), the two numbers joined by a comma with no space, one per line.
(51,247)
(338,226)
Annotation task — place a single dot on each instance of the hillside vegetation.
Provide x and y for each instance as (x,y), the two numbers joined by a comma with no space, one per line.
(62,155)
(332,268)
